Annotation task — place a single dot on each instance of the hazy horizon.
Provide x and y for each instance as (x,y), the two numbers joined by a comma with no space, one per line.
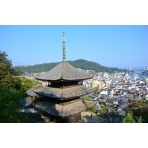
(111,46)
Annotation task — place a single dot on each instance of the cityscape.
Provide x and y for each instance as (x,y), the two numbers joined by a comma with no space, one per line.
(114,94)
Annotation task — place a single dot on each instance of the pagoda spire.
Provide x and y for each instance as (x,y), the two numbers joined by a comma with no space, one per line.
(64,47)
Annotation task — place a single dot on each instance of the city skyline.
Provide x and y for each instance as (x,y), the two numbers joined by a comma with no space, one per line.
(112,46)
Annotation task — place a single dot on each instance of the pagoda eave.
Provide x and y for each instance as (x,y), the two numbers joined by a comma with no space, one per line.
(66,93)
(61,110)
(60,80)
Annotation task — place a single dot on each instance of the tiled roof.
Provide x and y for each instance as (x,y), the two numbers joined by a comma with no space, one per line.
(64,71)
(64,110)
(63,93)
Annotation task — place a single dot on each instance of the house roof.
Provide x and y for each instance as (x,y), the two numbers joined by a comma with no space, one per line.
(64,71)
(64,110)
(63,93)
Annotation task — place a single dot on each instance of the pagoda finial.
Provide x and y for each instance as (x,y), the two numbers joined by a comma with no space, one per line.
(64,47)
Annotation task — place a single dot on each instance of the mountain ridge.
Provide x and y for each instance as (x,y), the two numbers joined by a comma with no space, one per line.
(80,63)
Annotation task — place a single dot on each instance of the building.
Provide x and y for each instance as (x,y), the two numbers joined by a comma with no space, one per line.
(62,98)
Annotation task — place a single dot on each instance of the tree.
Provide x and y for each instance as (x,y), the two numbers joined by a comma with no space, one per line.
(139,120)
(7,72)
(128,118)
(139,108)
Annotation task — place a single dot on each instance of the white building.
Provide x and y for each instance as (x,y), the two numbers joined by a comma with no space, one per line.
(104,93)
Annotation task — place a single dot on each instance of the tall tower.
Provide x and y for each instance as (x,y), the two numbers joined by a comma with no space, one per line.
(62,98)
(64,47)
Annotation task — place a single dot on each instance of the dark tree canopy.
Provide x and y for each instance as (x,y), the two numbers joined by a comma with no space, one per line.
(7,72)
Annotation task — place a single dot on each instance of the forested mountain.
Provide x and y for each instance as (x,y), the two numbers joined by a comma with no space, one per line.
(83,64)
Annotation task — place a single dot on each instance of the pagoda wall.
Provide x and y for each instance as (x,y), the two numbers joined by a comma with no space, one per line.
(71,119)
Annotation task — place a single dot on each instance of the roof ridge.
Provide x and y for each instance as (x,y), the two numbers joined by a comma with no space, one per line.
(64,71)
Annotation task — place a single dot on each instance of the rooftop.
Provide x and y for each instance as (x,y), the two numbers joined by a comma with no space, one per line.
(63,93)
(64,110)
(64,71)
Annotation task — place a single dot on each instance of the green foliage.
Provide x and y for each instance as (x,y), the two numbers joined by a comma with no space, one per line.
(139,120)
(83,64)
(11,90)
(139,108)
(9,106)
(11,82)
(27,84)
(36,68)
(104,109)
(87,98)
(93,109)
(6,66)
(7,73)
(9,100)
(128,118)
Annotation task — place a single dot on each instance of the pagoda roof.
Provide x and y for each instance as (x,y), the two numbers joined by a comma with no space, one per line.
(31,92)
(64,110)
(63,93)
(64,71)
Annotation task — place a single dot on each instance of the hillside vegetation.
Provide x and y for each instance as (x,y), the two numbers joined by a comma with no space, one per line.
(83,64)
(12,89)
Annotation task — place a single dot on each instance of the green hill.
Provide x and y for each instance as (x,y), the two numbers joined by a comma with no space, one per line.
(83,64)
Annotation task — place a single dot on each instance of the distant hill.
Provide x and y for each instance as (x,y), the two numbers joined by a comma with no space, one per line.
(83,64)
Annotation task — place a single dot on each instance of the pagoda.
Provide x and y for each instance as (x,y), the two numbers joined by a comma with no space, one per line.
(63,100)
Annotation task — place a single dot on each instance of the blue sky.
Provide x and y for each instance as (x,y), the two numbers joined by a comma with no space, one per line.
(113,46)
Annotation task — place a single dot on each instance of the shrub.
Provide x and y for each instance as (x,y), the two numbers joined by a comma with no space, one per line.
(9,106)
(129,118)
(87,98)
(93,109)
